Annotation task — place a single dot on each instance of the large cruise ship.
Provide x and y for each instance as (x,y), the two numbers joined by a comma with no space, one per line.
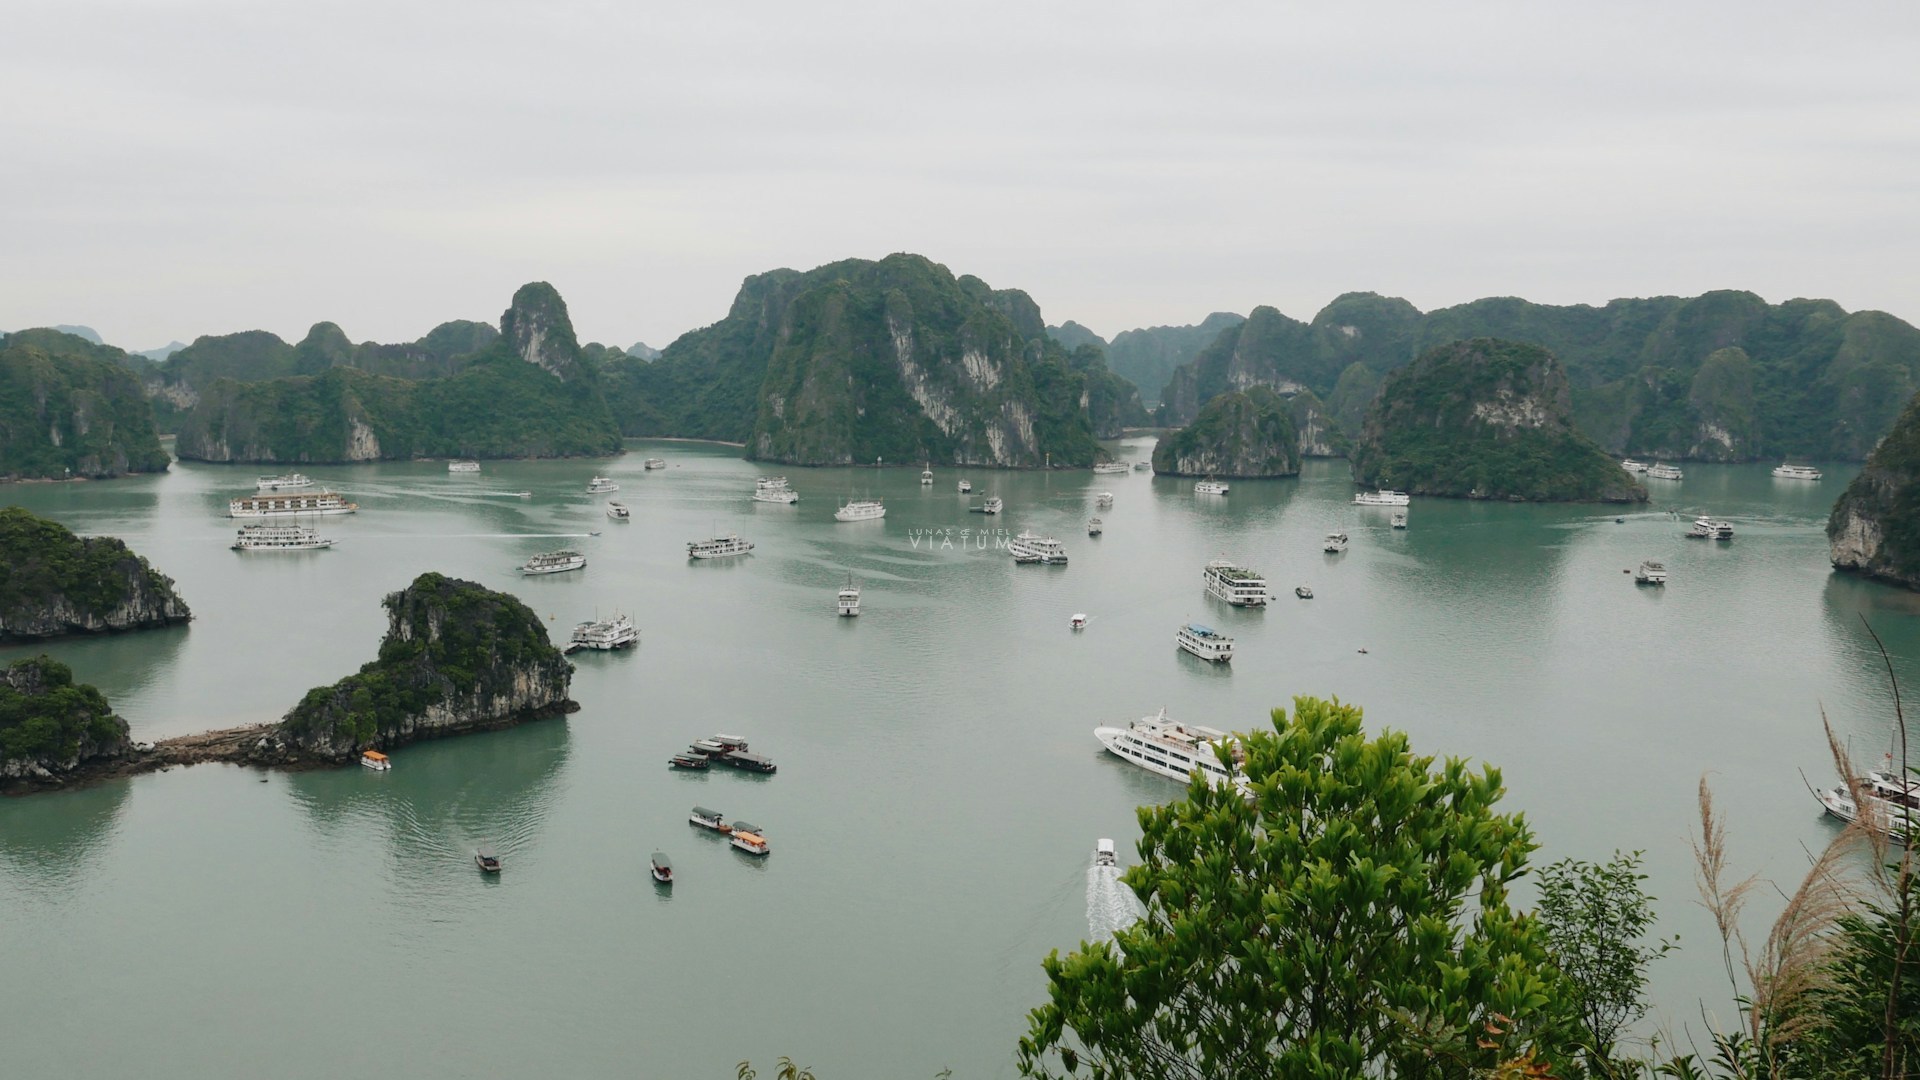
(1029,547)
(1237,585)
(1796,472)
(554,562)
(1172,750)
(774,489)
(616,633)
(289,482)
(861,510)
(718,547)
(1205,642)
(1382,497)
(1657,471)
(600,485)
(463,466)
(1210,487)
(279,538)
(1111,467)
(281,504)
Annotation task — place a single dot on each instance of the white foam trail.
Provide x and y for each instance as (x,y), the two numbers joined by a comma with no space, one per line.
(1111,906)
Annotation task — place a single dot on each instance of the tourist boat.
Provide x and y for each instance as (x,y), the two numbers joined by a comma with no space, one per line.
(1078,622)
(1174,750)
(718,547)
(1664,472)
(279,538)
(861,510)
(487,859)
(1237,585)
(1336,543)
(742,760)
(926,477)
(1705,528)
(661,867)
(275,504)
(1143,466)
(1383,497)
(375,760)
(748,841)
(289,482)
(728,742)
(553,562)
(1633,466)
(774,489)
(1399,520)
(1303,592)
(1651,573)
(1103,853)
(1103,500)
(1111,467)
(1095,526)
(1209,487)
(1205,642)
(848,603)
(653,463)
(1796,472)
(687,759)
(616,633)
(600,485)
(1031,548)
(993,505)
(618,511)
(708,819)
(1891,807)
(711,748)
(966,486)
(463,466)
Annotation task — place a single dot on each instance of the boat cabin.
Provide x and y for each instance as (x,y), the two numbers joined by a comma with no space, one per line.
(709,747)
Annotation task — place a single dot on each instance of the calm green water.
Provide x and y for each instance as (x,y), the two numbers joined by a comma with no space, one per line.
(939,789)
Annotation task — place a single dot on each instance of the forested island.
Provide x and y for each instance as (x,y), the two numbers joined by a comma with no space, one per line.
(52,727)
(1246,433)
(53,583)
(70,408)
(1875,525)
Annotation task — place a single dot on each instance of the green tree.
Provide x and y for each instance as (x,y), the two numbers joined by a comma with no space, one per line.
(1595,916)
(1346,916)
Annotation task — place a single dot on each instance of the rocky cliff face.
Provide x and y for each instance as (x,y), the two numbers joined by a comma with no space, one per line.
(1246,433)
(52,583)
(1149,356)
(456,657)
(71,409)
(1875,525)
(538,330)
(1485,419)
(1320,433)
(51,727)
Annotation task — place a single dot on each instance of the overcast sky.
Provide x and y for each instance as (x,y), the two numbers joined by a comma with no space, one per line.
(169,169)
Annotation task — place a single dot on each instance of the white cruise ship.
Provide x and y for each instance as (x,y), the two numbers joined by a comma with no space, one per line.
(993,505)
(1633,466)
(463,466)
(618,511)
(616,633)
(1664,472)
(1651,573)
(600,485)
(718,547)
(1382,497)
(1399,520)
(277,504)
(965,486)
(848,602)
(861,510)
(1237,585)
(1095,526)
(1706,528)
(1796,472)
(279,538)
(774,489)
(1103,499)
(1336,543)
(289,482)
(653,463)
(1210,487)
(554,562)
(1172,750)
(1205,642)
(1030,548)
(1111,467)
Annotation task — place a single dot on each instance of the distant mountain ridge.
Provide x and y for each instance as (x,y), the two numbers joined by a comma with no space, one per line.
(1724,376)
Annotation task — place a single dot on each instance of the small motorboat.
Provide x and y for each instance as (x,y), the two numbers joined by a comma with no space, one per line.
(1095,526)
(487,859)
(687,759)
(1078,622)
(662,868)
(377,761)
(965,486)
(1303,592)
(708,819)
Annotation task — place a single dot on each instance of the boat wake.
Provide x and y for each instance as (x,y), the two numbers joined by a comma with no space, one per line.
(1111,906)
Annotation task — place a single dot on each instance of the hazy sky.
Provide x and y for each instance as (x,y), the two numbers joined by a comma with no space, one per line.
(169,169)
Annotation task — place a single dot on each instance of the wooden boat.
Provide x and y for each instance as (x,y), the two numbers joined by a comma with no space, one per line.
(750,842)
(740,759)
(687,759)
(708,819)
(487,859)
(662,868)
(1303,592)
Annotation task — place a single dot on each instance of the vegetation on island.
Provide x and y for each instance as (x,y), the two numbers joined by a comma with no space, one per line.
(1246,433)
(1724,376)
(53,582)
(72,408)
(1484,419)
(1148,357)
(50,722)
(456,656)
(1874,528)
(530,391)
(895,360)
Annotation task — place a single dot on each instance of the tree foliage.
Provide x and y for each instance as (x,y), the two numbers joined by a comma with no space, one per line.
(1596,916)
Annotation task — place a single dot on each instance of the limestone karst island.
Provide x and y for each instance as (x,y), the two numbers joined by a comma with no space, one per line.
(813,542)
